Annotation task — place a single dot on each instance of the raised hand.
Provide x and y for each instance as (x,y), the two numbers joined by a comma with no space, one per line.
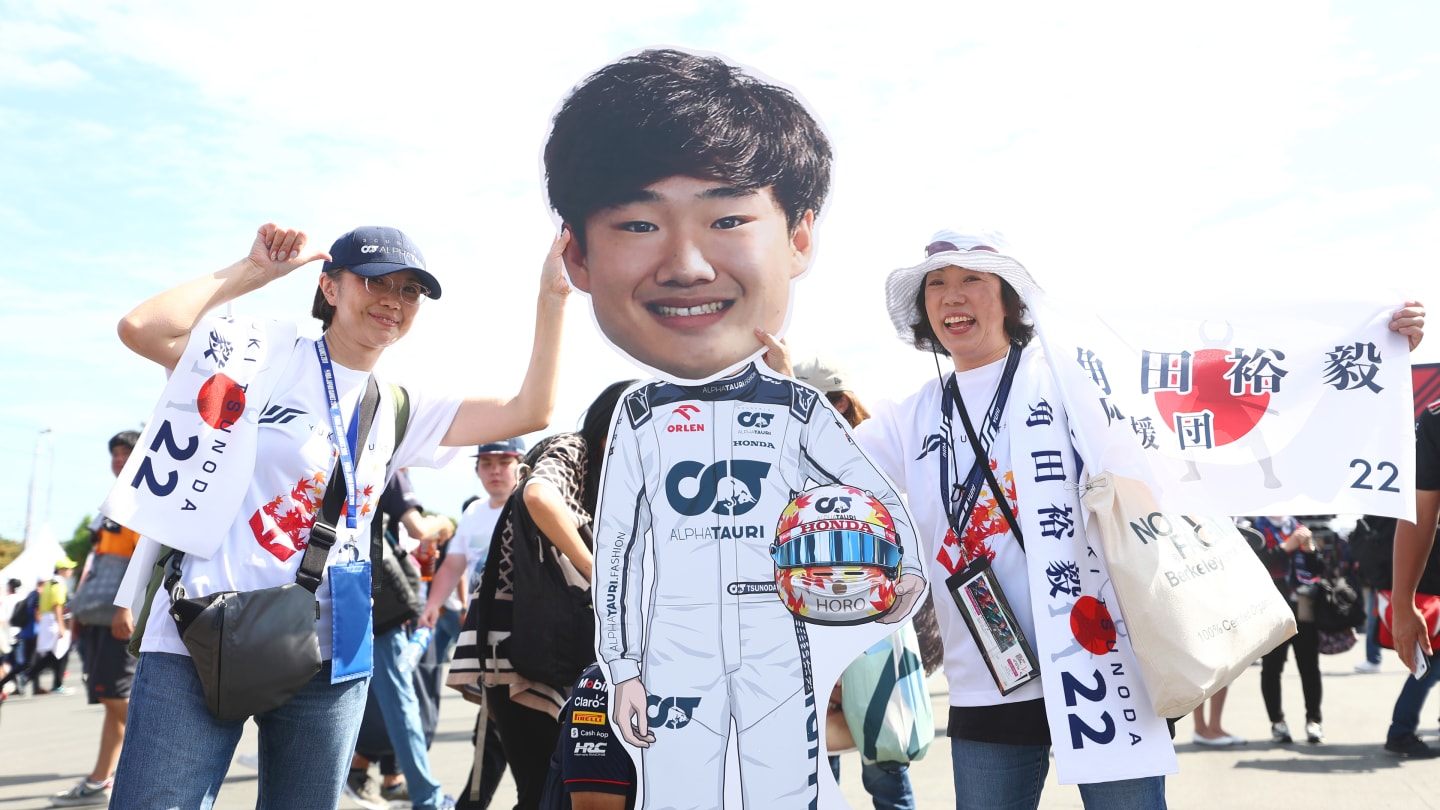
(277,250)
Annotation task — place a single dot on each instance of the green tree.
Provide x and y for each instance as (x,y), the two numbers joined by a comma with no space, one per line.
(78,546)
(9,550)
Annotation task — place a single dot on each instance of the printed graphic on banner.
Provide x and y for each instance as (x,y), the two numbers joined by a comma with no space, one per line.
(181,475)
(1246,412)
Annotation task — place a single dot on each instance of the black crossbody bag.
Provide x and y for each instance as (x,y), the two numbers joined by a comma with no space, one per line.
(254,650)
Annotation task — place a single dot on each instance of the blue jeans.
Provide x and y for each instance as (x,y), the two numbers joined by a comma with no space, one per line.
(1406,717)
(990,776)
(447,630)
(176,753)
(888,785)
(396,695)
(1372,628)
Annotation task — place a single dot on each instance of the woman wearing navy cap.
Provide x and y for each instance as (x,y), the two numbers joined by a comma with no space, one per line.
(301,416)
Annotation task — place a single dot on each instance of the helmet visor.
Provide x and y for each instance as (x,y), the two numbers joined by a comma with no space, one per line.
(837,548)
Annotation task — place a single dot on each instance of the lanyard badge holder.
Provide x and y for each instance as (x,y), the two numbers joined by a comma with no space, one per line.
(976,590)
(352,640)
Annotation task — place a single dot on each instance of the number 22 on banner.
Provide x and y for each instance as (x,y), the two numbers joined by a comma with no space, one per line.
(145,473)
(1388,485)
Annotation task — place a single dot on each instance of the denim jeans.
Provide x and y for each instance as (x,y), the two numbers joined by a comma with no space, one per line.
(991,776)
(396,696)
(888,785)
(1406,717)
(176,753)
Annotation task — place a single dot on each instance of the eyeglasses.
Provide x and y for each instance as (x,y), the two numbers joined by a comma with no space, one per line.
(410,292)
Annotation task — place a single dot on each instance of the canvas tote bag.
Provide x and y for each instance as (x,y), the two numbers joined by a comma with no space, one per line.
(1197,603)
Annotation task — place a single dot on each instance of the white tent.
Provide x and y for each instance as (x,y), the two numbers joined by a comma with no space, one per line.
(37,560)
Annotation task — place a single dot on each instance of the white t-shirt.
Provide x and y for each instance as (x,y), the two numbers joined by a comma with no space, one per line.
(294,459)
(902,439)
(472,536)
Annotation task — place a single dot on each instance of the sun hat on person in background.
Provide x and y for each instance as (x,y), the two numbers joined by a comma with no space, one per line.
(973,249)
(823,374)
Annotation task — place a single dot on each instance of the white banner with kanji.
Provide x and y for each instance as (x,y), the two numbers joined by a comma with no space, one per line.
(1241,407)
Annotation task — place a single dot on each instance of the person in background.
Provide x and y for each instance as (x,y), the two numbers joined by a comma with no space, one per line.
(561,489)
(887,783)
(1413,573)
(1290,554)
(497,465)
(395,700)
(110,668)
(17,647)
(53,637)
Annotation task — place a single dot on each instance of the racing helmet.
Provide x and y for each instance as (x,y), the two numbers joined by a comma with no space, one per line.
(837,557)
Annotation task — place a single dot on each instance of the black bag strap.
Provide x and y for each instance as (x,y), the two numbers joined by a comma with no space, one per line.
(322,533)
(401,400)
(1000,498)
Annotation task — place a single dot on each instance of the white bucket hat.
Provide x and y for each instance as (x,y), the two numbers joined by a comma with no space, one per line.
(975,249)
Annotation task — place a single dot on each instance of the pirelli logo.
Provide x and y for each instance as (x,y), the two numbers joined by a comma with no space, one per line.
(591,718)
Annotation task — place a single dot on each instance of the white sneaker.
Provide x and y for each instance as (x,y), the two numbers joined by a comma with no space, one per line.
(1313,733)
(1368,667)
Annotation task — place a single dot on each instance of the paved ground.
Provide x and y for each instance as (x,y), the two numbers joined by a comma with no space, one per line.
(47,743)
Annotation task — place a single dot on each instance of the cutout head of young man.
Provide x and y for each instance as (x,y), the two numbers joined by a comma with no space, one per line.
(691,189)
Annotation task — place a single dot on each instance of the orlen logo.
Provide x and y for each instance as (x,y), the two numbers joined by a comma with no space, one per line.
(731,487)
(751,419)
(827,505)
(686,413)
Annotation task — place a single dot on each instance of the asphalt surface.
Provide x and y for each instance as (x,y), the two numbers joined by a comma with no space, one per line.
(49,742)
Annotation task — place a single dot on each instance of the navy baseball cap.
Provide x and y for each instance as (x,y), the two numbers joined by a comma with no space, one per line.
(509,447)
(374,250)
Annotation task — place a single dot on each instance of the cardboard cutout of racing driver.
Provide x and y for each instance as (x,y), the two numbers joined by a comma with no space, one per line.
(745,549)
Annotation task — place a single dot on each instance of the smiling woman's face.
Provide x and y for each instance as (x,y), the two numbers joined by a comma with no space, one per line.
(966,309)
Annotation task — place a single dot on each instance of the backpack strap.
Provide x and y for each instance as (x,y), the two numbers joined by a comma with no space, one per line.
(322,533)
(401,400)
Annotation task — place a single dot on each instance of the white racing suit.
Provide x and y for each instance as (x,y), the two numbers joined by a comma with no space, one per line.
(695,481)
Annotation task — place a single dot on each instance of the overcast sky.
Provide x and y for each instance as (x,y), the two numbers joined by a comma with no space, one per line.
(1147,153)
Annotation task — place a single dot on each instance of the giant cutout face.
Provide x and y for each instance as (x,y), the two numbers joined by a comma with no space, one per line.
(680,278)
(691,189)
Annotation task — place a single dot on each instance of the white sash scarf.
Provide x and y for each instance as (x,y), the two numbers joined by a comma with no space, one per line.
(190,469)
(1102,725)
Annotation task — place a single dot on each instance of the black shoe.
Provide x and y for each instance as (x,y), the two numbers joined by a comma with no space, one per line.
(1410,747)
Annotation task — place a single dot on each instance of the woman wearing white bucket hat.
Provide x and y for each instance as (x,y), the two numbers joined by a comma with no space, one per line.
(966,300)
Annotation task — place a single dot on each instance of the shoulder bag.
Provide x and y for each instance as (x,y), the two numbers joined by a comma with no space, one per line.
(254,650)
(553,639)
(1197,602)
(886,705)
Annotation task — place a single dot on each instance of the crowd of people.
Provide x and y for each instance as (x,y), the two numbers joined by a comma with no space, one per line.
(686,229)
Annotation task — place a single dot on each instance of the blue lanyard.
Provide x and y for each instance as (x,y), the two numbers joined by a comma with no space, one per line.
(958,505)
(347,447)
